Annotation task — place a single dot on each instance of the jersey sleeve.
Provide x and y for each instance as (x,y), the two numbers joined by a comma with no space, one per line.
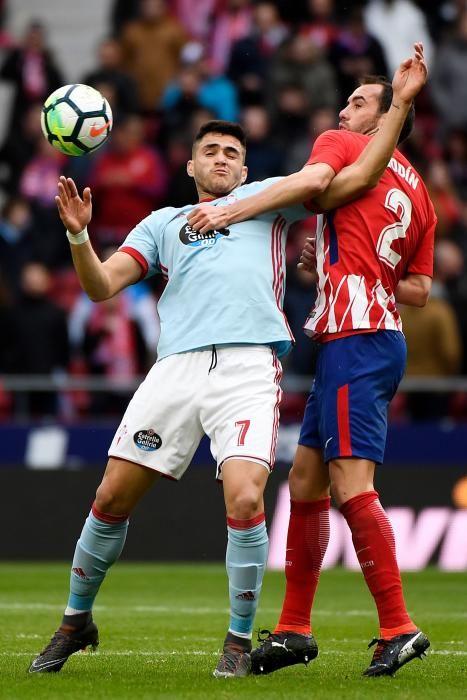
(141,244)
(293,213)
(332,148)
(421,263)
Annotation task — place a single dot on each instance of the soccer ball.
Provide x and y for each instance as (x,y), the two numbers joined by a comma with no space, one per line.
(76,119)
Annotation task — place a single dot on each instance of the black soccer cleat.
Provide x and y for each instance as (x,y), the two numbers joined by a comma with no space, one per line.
(391,654)
(235,660)
(281,649)
(63,644)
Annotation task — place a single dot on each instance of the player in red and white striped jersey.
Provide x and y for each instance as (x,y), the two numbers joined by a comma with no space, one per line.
(370,254)
(363,249)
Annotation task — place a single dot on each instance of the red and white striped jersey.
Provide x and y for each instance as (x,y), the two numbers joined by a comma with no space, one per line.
(365,247)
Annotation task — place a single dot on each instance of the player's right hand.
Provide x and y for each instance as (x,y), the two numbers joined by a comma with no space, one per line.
(74,211)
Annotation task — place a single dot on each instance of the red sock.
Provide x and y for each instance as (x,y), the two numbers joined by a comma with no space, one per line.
(307,541)
(374,543)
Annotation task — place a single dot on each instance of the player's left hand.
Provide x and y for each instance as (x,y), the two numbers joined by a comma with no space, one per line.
(206,218)
(411,76)
(308,256)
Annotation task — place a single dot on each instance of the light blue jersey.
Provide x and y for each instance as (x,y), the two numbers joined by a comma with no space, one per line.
(224,287)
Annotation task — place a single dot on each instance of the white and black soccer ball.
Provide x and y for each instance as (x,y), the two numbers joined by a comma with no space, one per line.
(76,119)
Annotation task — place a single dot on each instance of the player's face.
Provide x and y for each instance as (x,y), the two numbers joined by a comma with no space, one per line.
(362,113)
(218,164)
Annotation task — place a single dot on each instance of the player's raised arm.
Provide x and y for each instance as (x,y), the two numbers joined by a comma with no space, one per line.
(366,171)
(100,280)
(293,189)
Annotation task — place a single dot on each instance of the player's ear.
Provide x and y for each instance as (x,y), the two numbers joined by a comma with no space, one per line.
(189,168)
(244,174)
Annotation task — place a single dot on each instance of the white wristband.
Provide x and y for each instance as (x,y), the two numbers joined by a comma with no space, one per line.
(78,238)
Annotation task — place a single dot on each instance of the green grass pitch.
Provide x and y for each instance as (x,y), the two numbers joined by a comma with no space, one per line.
(162,626)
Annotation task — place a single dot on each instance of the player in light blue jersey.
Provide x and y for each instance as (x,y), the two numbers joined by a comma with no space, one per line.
(218,372)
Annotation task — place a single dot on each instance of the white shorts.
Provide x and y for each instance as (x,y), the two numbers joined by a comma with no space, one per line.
(231,393)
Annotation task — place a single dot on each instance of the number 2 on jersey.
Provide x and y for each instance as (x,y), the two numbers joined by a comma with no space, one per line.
(399,203)
(243,425)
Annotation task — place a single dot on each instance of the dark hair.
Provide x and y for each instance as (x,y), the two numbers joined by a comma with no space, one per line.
(385,102)
(218,126)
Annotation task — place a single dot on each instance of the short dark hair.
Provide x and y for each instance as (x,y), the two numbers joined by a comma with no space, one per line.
(218,126)
(385,102)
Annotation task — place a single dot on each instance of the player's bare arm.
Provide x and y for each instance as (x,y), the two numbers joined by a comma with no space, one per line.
(100,280)
(413,290)
(365,173)
(293,189)
(314,181)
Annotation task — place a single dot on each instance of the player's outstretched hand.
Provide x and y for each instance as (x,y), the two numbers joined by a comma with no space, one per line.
(411,76)
(74,211)
(208,218)
(308,256)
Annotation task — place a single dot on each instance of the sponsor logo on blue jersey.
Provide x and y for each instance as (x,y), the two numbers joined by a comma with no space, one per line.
(195,239)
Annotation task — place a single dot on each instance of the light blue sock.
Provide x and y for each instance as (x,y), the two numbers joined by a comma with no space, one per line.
(247,552)
(98,547)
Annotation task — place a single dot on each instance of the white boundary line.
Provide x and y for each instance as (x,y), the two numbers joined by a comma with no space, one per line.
(439,652)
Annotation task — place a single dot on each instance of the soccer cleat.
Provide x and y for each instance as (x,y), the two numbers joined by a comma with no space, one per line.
(281,649)
(62,645)
(391,654)
(235,661)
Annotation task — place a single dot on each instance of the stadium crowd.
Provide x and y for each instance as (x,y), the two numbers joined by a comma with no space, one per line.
(283,69)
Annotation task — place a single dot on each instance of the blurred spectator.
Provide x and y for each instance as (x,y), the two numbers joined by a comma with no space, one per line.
(109,72)
(31,69)
(122,13)
(8,343)
(355,53)
(448,81)
(6,40)
(232,23)
(291,116)
(198,85)
(444,197)
(19,242)
(151,49)
(181,187)
(38,184)
(140,308)
(116,339)
(302,63)
(297,154)
(263,158)
(434,344)
(322,27)
(397,24)
(128,180)
(198,25)
(299,297)
(17,151)
(455,155)
(250,57)
(42,336)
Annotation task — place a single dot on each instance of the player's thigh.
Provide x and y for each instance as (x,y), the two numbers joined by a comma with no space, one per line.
(310,435)
(122,486)
(161,428)
(359,376)
(241,409)
(244,482)
(309,475)
(350,477)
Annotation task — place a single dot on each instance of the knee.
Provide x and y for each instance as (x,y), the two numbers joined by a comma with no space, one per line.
(306,484)
(245,504)
(109,499)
